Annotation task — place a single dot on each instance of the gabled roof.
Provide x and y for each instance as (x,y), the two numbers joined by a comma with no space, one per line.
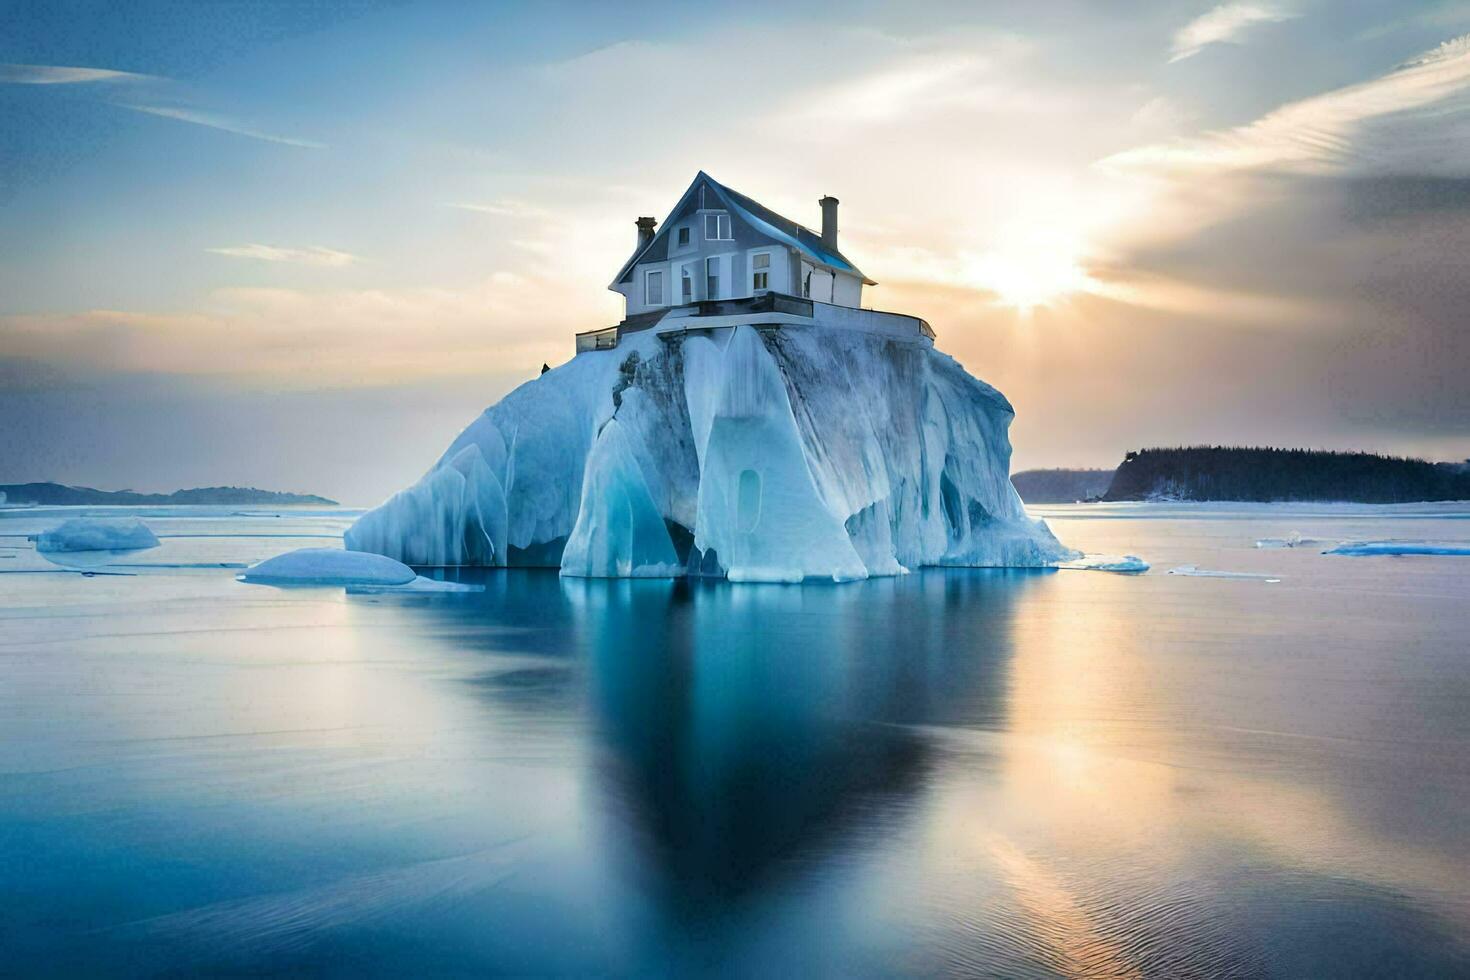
(759,217)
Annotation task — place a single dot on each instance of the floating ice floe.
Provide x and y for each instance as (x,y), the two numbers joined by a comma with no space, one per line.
(1195,571)
(1127,564)
(357,570)
(1366,548)
(1292,540)
(96,534)
(808,453)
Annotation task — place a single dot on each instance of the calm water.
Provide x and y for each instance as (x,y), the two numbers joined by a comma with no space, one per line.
(957,772)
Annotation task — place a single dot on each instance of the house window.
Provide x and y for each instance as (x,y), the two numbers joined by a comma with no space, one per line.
(712,278)
(686,286)
(653,289)
(760,264)
(684,236)
(717,227)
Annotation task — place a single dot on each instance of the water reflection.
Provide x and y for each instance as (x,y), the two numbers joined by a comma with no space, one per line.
(744,731)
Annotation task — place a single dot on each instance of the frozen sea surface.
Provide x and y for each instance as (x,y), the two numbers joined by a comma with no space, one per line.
(965,772)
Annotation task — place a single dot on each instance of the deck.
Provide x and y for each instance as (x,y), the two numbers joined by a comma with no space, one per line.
(769,310)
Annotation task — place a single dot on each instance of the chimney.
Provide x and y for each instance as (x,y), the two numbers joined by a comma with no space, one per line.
(829,222)
(645,231)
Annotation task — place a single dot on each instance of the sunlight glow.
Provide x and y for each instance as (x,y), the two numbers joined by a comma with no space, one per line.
(1030,275)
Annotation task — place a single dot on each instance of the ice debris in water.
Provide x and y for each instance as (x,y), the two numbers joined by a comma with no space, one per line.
(96,534)
(333,566)
(1366,548)
(809,453)
(1127,564)
(1292,540)
(1195,571)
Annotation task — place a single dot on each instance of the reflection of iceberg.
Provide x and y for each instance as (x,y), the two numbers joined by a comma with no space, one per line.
(729,759)
(812,452)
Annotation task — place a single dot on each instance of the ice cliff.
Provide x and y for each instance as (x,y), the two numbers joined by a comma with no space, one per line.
(761,456)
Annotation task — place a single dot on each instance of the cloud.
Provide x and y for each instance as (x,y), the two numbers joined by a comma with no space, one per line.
(314,255)
(66,75)
(316,337)
(216,121)
(1328,133)
(1224,25)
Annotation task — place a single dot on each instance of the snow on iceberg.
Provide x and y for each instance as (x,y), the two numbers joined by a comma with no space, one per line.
(808,452)
(1366,548)
(96,534)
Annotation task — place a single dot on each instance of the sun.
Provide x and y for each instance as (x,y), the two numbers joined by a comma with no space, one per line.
(1029,275)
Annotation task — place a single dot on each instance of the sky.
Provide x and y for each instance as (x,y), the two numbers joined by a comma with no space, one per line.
(302,246)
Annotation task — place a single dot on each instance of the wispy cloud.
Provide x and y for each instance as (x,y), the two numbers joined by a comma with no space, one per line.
(224,123)
(314,255)
(66,75)
(1322,134)
(1224,24)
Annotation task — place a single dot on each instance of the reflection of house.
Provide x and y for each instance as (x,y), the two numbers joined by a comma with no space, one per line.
(722,256)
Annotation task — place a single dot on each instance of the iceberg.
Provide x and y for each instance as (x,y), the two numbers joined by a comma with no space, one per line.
(328,566)
(1366,548)
(357,571)
(808,452)
(1123,564)
(96,534)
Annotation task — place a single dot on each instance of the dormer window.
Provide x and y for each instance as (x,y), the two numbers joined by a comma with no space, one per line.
(684,235)
(717,228)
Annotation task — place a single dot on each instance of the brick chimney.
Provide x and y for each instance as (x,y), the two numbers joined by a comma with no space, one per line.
(829,222)
(645,231)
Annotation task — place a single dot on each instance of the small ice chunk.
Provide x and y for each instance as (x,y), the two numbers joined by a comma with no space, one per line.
(1196,572)
(1127,564)
(1292,540)
(1364,548)
(97,534)
(329,566)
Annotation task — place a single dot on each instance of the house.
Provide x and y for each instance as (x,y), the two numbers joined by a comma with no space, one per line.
(719,244)
(721,259)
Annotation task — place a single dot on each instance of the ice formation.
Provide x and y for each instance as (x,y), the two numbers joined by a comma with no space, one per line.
(773,456)
(328,566)
(1194,571)
(97,534)
(358,571)
(1125,564)
(1366,548)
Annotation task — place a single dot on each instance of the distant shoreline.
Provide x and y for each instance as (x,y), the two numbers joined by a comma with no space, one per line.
(60,495)
(1229,474)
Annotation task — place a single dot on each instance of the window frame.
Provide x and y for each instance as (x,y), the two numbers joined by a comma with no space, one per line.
(648,278)
(760,276)
(683,236)
(720,218)
(712,280)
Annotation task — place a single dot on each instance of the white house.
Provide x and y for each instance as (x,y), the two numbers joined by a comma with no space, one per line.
(722,259)
(719,244)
